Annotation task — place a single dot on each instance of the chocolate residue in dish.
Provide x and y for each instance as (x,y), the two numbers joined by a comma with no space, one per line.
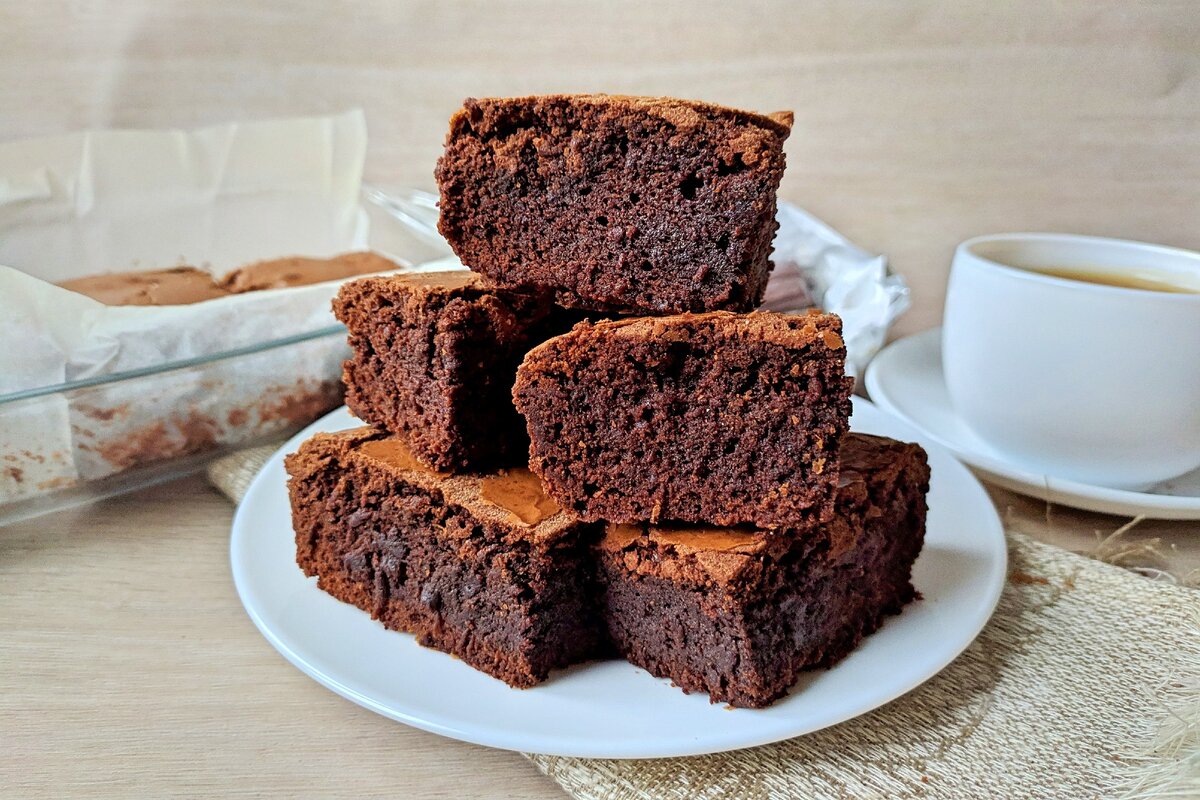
(56,483)
(29,455)
(302,404)
(197,432)
(102,414)
(136,447)
(160,440)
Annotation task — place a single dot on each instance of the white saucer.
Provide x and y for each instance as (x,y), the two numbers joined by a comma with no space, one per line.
(611,709)
(906,379)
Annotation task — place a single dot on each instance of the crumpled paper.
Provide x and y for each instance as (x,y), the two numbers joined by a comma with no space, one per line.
(214,198)
(816,265)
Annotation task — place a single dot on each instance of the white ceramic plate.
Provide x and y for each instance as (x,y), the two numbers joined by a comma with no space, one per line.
(906,379)
(612,709)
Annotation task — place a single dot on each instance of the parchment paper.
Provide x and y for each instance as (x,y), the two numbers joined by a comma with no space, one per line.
(215,198)
(816,265)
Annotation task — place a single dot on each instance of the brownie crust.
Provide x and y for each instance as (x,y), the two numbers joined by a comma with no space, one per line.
(739,614)
(185,285)
(481,566)
(434,359)
(160,287)
(714,418)
(618,204)
(281,273)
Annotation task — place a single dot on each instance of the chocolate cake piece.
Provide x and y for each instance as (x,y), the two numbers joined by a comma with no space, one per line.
(184,285)
(159,287)
(632,204)
(740,614)
(434,359)
(282,273)
(713,418)
(485,567)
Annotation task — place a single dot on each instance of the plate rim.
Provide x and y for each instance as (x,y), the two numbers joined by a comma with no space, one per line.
(1085,496)
(990,532)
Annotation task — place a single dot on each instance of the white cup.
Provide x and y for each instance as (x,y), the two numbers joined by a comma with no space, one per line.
(1076,380)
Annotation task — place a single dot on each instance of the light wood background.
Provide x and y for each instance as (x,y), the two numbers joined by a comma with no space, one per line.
(127,667)
(918,124)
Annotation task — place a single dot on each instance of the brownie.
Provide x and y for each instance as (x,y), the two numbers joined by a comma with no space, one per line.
(281,273)
(634,204)
(485,567)
(158,287)
(740,614)
(184,285)
(714,418)
(434,359)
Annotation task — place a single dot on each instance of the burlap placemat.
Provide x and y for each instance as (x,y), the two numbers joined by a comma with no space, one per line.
(1086,683)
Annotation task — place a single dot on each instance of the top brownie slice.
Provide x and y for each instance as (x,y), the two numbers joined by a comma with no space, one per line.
(434,359)
(624,204)
(714,418)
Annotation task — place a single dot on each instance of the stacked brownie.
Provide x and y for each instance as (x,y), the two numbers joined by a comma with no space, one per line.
(747,535)
(428,519)
(481,566)
(676,487)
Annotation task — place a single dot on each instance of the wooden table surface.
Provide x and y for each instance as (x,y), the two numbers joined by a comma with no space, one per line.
(127,666)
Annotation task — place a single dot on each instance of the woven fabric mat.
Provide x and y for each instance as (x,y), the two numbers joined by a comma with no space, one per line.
(1085,684)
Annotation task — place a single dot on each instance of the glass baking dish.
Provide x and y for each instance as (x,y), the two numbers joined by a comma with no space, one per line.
(75,442)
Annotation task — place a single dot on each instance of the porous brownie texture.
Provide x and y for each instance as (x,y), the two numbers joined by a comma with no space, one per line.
(434,359)
(740,614)
(713,418)
(485,567)
(626,204)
